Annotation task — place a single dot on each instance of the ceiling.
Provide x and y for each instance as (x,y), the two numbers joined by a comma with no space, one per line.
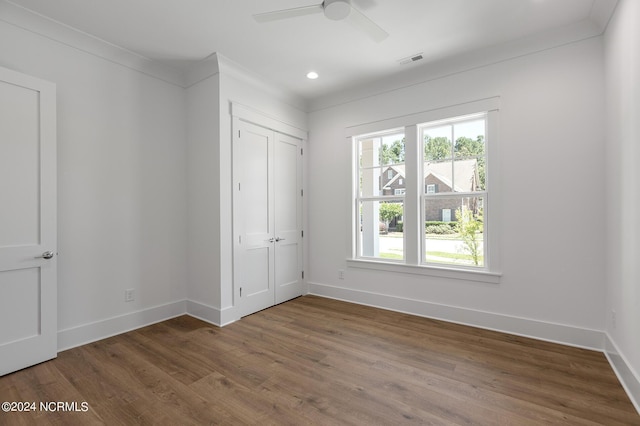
(179,33)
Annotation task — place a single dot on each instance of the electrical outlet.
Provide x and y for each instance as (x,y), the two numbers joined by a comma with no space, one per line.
(340,274)
(129,295)
(613,318)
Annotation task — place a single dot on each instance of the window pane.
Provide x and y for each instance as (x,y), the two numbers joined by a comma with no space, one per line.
(391,149)
(438,176)
(370,180)
(381,160)
(469,152)
(437,143)
(381,233)
(454,231)
(438,156)
(387,180)
(454,167)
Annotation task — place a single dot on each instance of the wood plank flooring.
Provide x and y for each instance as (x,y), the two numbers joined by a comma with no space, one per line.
(321,361)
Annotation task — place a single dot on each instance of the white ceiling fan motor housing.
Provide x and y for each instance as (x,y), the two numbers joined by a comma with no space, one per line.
(336,10)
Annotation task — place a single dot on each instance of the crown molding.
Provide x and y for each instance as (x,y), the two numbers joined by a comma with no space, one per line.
(33,22)
(601,13)
(463,62)
(202,70)
(235,70)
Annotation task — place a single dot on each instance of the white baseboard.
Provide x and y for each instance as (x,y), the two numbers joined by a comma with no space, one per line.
(87,333)
(628,377)
(215,316)
(204,312)
(551,332)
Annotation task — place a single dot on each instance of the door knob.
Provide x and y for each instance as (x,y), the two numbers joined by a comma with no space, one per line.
(45,255)
(279,239)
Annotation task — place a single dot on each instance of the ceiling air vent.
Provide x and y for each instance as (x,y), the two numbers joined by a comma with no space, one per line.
(409,59)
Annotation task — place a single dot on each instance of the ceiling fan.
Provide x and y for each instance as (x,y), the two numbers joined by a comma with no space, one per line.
(337,10)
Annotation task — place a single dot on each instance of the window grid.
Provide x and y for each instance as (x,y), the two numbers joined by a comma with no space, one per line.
(430,193)
(380,160)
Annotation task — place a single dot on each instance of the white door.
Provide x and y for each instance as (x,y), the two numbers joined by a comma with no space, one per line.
(288,217)
(28,283)
(254,262)
(267,217)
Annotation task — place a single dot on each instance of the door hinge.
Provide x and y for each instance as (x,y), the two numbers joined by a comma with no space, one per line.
(239,239)
(238,186)
(240,291)
(301,151)
(302,233)
(302,192)
(238,133)
(303,275)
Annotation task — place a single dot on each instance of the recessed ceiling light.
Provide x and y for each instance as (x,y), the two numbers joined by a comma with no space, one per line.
(312,75)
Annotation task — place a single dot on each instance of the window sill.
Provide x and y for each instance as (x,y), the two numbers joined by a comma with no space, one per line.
(441,272)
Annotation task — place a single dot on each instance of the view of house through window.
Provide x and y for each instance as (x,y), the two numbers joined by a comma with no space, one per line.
(453,191)
(450,190)
(381,195)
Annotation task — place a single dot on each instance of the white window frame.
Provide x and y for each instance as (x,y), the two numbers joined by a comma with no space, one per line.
(399,191)
(360,198)
(431,188)
(427,196)
(413,208)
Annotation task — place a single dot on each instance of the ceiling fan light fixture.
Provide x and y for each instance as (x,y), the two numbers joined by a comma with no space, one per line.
(336,10)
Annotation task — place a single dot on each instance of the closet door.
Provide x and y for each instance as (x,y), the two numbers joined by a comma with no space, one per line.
(253,215)
(267,217)
(288,217)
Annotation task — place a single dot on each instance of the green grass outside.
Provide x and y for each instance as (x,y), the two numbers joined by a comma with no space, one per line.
(457,256)
(391,256)
(441,254)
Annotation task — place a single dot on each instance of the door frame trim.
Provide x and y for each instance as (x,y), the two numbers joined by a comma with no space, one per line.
(244,113)
(259,118)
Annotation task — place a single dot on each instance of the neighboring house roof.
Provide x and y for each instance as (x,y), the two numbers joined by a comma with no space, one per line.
(399,169)
(464,173)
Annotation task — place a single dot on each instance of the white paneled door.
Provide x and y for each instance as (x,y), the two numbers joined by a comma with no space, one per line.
(287,217)
(28,282)
(267,217)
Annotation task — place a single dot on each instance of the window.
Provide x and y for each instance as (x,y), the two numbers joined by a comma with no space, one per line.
(432,209)
(454,161)
(378,205)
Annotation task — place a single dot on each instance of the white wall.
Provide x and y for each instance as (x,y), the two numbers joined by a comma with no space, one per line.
(203,120)
(122,187)
(622,47)
(552,187)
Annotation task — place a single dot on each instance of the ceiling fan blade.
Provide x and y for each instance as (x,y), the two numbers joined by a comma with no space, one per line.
(360,21)
(287,13)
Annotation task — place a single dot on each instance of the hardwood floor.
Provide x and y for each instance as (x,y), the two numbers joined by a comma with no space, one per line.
(321,361)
